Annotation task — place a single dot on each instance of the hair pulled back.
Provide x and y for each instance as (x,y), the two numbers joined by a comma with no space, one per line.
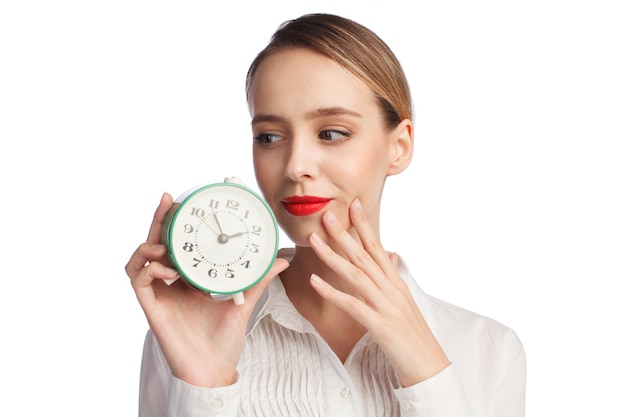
(354,47)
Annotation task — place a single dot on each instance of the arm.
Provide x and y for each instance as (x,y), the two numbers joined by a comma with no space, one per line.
(511,397)
(199,339)
(162,394)
(444,395)
(379,298)
(381,301)
(153,380)
(439,396)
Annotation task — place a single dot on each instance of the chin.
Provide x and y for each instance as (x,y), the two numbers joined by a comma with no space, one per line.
(299,239)
(299,233)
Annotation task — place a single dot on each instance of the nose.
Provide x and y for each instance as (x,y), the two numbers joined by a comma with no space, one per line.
(300,161)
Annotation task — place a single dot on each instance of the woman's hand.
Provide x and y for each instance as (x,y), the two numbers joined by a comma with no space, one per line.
(201,338)
(379,298)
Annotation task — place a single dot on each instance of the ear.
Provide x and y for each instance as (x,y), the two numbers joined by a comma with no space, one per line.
(400,147)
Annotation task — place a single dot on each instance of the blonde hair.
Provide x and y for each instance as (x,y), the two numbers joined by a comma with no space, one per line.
(354,47)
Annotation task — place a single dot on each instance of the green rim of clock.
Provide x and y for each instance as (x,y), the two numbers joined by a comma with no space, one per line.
(171,218)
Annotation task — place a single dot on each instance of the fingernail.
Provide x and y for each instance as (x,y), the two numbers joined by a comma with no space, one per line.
(357,204)
(316,239)
(330,217)
(170,281)
(316,280)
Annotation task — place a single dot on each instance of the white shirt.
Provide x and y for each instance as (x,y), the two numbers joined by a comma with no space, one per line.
(287,369)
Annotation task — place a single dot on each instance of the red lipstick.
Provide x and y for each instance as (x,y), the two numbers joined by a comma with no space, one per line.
(304,205)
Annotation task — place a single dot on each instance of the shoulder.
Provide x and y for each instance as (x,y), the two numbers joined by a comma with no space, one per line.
(461,330)
(458,323)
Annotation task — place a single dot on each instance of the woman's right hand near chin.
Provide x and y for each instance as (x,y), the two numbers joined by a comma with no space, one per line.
(202,338)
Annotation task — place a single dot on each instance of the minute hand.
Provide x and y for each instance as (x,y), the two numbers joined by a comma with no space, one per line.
(217,221)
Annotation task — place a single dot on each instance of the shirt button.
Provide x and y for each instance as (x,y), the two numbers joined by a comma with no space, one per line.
(216,403)
(345,392)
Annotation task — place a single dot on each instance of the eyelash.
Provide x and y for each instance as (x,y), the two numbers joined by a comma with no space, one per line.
(344,135)
(262,138)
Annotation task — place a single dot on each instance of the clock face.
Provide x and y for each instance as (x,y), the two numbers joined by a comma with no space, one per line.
(222,238)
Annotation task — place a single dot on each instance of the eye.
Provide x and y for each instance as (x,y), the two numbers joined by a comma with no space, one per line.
(266,138)
(333,135)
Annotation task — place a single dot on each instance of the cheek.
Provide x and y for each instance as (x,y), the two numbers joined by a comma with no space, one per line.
(363,172)
(365,178)
(261,172)
(268,178)
(258,171)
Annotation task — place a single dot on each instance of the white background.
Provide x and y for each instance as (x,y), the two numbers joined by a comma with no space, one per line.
(513,207)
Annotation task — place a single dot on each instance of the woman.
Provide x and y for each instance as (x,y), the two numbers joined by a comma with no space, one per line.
(338,326)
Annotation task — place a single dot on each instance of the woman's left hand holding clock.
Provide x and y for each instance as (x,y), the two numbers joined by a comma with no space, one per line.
(201,338)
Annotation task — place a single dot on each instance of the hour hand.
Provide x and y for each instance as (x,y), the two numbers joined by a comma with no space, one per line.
(237,234)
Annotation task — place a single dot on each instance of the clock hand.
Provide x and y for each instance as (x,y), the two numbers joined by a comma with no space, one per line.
(210,225)
(221,236)
(217,222)
(237,234)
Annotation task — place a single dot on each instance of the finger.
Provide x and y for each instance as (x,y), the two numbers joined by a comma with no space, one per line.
(155,270)
(354,250)
(154,235)
(359,283)
(370,240)
(146,252)
(393,257)
(143,282)
(351,305)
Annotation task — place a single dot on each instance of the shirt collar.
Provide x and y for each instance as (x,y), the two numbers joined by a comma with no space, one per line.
(275,303)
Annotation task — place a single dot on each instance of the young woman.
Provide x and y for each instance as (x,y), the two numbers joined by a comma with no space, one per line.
(338,327)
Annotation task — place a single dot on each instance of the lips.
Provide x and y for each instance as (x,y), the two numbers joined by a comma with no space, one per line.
(304,205)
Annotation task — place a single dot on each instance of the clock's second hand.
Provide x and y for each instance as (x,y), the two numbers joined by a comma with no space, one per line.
(210,225)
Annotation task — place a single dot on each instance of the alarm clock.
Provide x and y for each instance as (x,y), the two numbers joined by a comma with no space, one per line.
(222,238)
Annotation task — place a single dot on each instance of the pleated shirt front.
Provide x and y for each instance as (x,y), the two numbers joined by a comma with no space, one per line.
(287,369)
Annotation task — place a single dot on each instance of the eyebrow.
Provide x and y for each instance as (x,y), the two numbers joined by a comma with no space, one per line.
(331,111)
(317,113)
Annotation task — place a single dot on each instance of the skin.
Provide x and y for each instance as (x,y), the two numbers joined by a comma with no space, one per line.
(318,131)
(202,339)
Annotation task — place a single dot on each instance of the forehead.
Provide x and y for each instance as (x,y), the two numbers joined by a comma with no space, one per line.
(305,78)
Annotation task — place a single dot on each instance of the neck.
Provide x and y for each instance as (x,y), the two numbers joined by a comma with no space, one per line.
(296,278)
(340,330)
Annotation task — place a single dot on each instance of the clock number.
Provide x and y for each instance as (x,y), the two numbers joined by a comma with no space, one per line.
(256,230)
(188,228)
(245,216)
(188,247)
(232,204)
(246,264)
(228,274)
(198,212)
(214,204)
(254,248)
